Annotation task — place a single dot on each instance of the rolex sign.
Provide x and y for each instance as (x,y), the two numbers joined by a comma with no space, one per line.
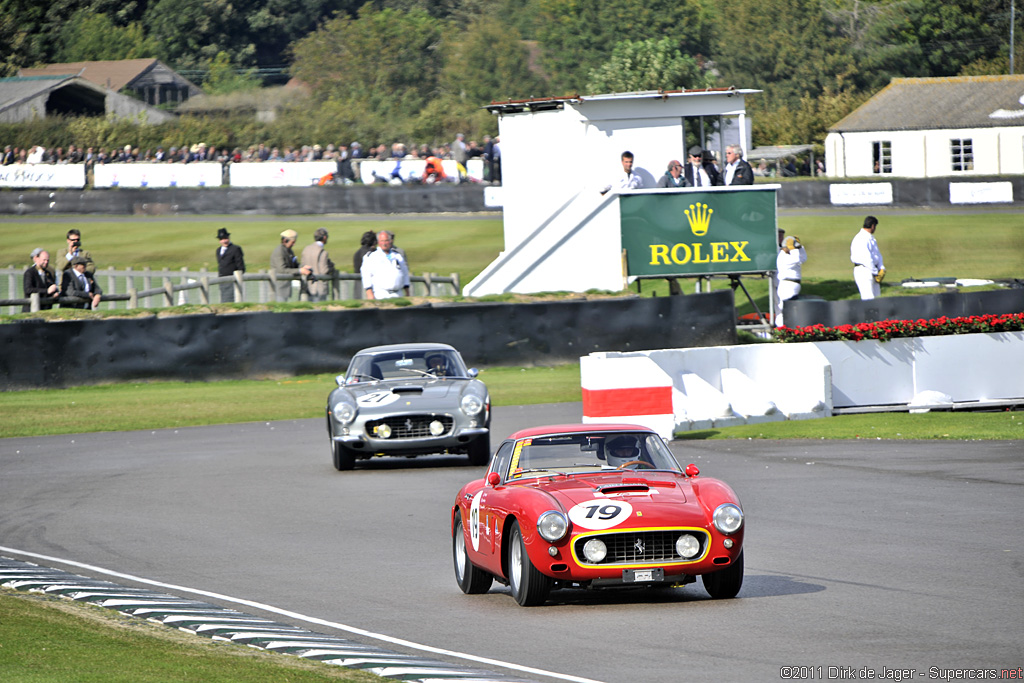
(717,232)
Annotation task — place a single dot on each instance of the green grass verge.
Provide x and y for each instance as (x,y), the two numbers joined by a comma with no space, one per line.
(50,640)
(160,405)
(1002,425)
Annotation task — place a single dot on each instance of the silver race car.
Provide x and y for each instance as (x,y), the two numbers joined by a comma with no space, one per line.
(408,400)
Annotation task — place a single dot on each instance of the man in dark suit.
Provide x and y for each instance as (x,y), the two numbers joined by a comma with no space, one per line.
(229,259)
(737,170)
(39,279)
(699,173)
(79,282)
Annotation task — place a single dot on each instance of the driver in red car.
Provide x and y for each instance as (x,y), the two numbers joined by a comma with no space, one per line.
(622,450)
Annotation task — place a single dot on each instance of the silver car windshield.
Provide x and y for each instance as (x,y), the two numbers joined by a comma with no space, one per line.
(581,453)
(405,365)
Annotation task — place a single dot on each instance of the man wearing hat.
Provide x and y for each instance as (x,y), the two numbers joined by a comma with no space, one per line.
(697,172)
(316,258)
(79,282)
(283,262)
(229,259)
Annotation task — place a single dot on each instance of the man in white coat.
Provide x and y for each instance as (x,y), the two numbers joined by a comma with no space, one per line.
(868,268)
(788,266)
(384,271)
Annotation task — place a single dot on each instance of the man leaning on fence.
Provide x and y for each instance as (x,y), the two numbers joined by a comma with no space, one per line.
(79,282)
(229,259)
(284,263)
(315,256)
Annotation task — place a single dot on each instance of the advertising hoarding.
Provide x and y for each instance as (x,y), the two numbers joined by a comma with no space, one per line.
(693,233)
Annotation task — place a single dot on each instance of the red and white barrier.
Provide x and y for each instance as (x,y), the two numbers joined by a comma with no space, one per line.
(635,390)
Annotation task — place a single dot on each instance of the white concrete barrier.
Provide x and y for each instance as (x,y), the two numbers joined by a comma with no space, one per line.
(725,385)
(966,367)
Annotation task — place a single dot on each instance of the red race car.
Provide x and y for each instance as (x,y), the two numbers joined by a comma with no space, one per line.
(594,506)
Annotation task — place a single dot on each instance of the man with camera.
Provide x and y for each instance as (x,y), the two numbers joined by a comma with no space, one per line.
(74,249)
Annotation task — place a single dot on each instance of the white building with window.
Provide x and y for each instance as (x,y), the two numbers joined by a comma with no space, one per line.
(933,127)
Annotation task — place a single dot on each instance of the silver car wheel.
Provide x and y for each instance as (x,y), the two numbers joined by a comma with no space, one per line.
(515,569)
(460,557)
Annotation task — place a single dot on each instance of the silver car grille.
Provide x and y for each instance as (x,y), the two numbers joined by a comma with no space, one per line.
(639,547)
(412,426)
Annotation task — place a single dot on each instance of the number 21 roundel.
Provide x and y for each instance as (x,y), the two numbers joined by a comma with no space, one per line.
(600,513)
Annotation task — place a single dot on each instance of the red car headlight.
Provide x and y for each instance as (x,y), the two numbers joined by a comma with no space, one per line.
(728,518)
(552,526)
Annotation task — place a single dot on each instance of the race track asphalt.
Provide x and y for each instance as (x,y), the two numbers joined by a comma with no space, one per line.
(865,556)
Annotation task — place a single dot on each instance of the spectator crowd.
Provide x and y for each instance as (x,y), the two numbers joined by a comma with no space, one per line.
(382,267)
(343,155)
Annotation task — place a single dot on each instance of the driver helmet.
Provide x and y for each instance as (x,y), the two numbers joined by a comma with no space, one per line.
(623,448)
(437,364)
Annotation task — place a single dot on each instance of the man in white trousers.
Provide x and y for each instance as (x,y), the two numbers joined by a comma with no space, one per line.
(868,268)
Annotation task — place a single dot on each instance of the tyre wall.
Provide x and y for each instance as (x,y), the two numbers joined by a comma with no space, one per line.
(376,199)
(39,354)
(273,201)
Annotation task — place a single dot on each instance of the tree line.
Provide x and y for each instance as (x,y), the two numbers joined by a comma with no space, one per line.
(420,70)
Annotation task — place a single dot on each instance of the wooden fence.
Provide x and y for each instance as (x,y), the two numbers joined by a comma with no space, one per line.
(165,288)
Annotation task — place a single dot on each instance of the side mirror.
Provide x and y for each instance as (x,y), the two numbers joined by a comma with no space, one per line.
(472,372)
(340,380)
(493,478)
(691,470)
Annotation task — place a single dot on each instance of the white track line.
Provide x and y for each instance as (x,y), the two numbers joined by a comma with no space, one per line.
(312,620)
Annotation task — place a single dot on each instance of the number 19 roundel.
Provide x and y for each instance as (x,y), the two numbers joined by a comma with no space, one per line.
(600,513)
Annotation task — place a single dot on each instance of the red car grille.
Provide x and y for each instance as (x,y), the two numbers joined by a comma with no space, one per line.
(638,547)
(412,426)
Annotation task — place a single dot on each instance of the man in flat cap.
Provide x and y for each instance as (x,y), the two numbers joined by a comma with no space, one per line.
(284,262)
(229,259)
(699,173)
(316,258)
(79,282)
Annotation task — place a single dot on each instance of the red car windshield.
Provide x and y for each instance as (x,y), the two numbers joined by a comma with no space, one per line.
(582,453)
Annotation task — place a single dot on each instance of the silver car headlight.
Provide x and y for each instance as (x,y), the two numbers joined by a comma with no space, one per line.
(552,525)
(344,412)
(471,404)
(728,518)
(595,550)
(687,546)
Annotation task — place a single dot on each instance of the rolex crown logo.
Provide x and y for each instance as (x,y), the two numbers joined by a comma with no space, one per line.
(699,216)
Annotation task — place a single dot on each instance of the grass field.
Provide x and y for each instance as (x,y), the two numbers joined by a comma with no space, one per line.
(50,640)
(443,245)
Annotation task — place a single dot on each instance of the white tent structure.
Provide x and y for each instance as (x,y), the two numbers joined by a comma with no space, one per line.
(561,233)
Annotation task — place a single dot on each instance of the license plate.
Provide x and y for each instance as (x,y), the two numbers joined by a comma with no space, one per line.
(642,575)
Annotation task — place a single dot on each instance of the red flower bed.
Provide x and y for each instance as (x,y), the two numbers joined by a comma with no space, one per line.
(888,329)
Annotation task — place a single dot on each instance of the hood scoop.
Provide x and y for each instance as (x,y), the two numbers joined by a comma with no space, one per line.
(407,390)
(638,487)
